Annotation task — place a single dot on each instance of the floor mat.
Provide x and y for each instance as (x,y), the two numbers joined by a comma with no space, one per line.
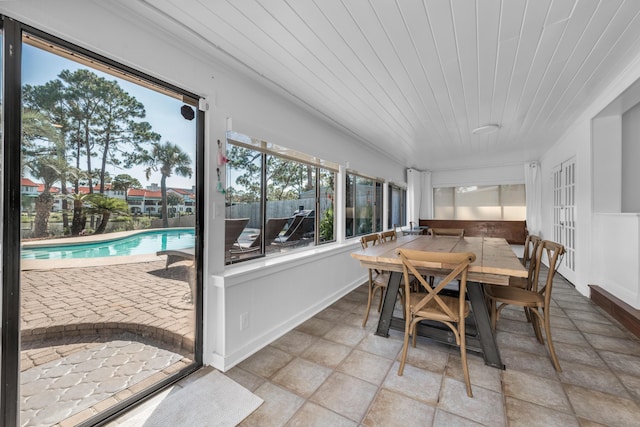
(213,400)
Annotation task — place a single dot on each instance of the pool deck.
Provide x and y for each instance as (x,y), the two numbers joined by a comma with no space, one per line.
(74,318)
(52,264)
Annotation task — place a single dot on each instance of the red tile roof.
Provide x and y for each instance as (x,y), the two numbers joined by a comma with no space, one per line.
(147,194)
(26,182)
(51,190)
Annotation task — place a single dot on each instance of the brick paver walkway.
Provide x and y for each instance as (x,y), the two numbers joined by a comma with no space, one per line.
(87,323)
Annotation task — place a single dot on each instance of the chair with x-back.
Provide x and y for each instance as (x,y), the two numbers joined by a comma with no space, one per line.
(536,300)
(378,279)
(432,304)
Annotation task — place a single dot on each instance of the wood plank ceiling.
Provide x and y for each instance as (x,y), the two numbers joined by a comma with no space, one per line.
(413,78)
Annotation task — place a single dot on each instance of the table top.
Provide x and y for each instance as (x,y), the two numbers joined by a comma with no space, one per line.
(495,261)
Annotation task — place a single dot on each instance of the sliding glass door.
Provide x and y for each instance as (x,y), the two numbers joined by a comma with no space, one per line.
(108,218)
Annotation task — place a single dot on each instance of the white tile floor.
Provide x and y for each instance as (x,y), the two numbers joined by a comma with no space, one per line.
(331,371)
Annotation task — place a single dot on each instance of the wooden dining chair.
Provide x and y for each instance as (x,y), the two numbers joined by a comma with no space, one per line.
(529,261)
(446,232)
(378,279)
(388,236)
(536,300)
(432,305)
(530,244)
(459,232)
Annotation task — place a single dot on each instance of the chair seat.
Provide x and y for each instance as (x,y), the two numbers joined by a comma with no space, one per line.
(433,311)
(515,296)
(381,279)
(519,282)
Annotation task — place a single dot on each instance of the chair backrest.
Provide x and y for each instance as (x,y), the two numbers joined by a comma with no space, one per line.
(455,265)
(532,264)
(530,245)
(305,226)
(293,226)
(272,230)
(387,236)
(369,240)
(553,252)
(232,229)
(446,232)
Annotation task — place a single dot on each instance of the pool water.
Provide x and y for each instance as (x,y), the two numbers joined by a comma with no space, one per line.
(147,242)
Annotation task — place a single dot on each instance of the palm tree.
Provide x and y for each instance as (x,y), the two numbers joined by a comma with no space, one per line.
(167,158)
(79,215)
(105,206)
(40,143)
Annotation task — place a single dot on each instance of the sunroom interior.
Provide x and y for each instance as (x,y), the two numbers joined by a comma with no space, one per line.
(562,84)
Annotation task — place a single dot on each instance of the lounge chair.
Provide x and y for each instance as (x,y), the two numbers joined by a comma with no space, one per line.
(301,226)
(232,230)
(272,231)
(177,255)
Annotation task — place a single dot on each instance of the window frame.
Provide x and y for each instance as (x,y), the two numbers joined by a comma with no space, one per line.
(376,204)
(269,149)
(402,206)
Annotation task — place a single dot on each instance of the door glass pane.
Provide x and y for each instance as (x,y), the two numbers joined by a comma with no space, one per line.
(108,236)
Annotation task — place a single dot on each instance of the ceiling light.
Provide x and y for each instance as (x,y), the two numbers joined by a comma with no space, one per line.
(483,130)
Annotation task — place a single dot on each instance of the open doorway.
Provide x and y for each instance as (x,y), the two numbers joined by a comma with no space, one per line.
(109,236)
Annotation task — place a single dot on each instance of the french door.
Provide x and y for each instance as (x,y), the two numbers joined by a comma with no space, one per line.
(564,214)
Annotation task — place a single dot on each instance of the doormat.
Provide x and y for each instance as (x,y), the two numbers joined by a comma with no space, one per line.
(213,400)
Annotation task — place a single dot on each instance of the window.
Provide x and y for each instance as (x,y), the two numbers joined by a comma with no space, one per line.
(397,214)
(287,194)
(363,205)
(475,202)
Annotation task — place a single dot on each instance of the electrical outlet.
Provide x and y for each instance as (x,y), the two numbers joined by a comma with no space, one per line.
(244,321)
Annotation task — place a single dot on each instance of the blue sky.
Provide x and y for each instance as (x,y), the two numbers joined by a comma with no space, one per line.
(163,112)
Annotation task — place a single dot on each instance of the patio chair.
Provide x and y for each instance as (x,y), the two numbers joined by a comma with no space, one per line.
(432,305)
(300,226)
(177,255)
(232,230)
(272,231)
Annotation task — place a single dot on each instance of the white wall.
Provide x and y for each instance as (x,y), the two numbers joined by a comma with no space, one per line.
(606,240)
(631,160)
(617,270)
(276,293)
(606,138)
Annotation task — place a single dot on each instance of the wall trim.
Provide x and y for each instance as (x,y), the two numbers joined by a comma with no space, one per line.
(628,316)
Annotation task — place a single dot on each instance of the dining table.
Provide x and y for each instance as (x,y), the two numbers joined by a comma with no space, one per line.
(495,263)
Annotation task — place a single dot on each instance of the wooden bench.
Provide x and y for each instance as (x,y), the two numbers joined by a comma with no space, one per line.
(515,232)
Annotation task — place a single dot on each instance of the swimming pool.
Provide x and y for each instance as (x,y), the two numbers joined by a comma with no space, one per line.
(146,242)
